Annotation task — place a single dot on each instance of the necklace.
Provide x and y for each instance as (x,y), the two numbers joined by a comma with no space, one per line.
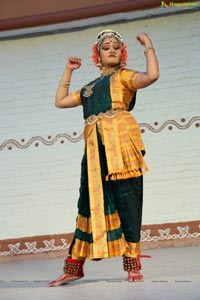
(106,72)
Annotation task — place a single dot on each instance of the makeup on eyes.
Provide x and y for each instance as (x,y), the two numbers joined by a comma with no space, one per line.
(106,46)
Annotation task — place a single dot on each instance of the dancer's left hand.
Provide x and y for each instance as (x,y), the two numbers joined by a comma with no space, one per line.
(144,39)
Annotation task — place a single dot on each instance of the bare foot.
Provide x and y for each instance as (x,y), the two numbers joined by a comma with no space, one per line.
(135,276)
(63,279)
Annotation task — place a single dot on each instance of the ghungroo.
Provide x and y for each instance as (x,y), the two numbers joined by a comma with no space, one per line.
(73,267)
(131,264)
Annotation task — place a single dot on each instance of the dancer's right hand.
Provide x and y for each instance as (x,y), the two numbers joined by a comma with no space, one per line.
(73,63)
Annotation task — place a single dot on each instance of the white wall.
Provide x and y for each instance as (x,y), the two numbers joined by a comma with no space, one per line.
(39,185)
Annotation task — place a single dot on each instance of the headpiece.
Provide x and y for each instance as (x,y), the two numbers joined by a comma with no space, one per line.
(99,39)
(108,33)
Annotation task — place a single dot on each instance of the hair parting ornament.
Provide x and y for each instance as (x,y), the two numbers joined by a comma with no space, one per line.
(99,39)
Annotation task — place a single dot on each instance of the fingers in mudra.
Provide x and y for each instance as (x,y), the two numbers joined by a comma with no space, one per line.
(75,62)
(143,38)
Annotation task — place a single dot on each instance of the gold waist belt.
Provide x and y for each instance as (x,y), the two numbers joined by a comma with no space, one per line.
(109,113)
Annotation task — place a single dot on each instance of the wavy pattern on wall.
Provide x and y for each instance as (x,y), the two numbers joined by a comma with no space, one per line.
(170,124)
(9,144)
(36,140)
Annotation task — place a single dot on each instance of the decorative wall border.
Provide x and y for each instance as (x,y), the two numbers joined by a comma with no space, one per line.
(36,139)
(150,234)
(9,144)
(170,124)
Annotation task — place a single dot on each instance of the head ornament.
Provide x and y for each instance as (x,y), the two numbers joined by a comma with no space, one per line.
(108,33)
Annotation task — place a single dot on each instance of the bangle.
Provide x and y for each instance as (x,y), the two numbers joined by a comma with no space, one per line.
(64,84)
(147,49)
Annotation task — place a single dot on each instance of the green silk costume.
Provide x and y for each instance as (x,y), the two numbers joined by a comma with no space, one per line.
(111,188)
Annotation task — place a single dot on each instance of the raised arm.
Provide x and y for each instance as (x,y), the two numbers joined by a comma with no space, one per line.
(63,98)
(144,79)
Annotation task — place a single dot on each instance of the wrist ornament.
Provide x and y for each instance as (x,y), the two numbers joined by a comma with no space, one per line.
(64,84)
(147,48)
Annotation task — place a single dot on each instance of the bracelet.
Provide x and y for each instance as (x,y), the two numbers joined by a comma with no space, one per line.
(64,84)
(147,49)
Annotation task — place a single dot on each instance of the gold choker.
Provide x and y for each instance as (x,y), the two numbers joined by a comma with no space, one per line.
(106,72)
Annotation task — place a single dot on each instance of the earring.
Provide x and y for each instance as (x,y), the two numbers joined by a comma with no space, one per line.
(99,64)
(122,65)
